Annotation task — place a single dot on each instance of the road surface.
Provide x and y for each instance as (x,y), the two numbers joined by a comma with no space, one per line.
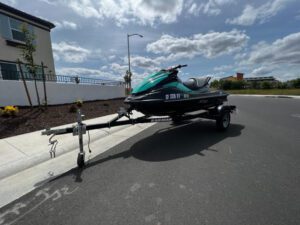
(189,174)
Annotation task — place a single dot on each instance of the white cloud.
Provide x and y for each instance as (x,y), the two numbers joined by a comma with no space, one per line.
(263,70)
(193,9)
(280,58)
(240,56)
(280,72)
(50,2)
(10,2)
(65,25)
(223,68)
(144,62)
(209,45)
(211,7)
(261,14)
(125,11)
(86,72)
(119,69)
(84,8)
(111,57)
(281,51)
(70,52)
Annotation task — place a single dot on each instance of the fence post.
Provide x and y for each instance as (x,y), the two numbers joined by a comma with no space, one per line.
(44,83)
(24,82)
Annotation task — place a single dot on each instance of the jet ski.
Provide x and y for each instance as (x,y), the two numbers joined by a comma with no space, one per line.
(161,97)
(164,94)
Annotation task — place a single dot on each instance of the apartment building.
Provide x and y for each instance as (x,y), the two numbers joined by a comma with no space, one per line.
(12,37)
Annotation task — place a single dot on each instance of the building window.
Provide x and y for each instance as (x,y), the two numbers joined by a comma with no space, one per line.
(9,71)
(16,30)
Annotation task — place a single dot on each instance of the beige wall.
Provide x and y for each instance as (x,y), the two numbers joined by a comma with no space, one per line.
(43,49)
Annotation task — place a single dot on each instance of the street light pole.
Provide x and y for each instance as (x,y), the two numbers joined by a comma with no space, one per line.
(128,53)
(129,69)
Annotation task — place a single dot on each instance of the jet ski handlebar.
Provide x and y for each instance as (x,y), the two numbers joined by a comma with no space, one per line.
(175,68)
(178,67)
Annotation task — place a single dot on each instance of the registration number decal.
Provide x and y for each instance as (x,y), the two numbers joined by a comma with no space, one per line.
(176,96)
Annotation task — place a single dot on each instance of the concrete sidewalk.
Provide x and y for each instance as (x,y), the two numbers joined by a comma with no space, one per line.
(27,150)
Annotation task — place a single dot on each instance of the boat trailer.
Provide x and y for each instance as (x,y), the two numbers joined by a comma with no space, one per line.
(221,114)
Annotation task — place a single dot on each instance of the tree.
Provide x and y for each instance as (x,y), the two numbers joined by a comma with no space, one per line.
(296,83)
(281,85)
(127,79)
(28,51)
(266,85)
(225,84)
(215,84)
(238,84)
(254,85)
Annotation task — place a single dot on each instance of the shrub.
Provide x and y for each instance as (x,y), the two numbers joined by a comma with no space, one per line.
(255,85)
(73,108)
(9,110)
(230,84)
(266,85)
(296,83)
(239,84)
(76,105)
(225,85)
(282,85)
(79,103)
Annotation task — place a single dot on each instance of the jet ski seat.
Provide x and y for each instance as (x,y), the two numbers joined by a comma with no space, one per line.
(196,83)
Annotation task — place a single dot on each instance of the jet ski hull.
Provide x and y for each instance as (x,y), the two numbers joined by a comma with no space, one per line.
(175,104)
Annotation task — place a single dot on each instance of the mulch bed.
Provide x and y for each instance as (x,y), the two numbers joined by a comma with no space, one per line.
(33,119)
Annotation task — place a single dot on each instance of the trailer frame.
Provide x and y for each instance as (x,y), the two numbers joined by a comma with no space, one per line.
(221,114)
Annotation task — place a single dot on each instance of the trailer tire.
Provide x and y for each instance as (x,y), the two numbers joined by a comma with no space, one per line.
(80,160)
(223,121)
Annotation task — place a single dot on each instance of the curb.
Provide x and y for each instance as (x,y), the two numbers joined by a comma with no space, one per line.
(268,96)
(66,143)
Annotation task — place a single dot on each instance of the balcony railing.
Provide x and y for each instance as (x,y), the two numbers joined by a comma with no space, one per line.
(16,75)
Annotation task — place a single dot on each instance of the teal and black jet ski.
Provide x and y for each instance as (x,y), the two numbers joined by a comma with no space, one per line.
(163,93)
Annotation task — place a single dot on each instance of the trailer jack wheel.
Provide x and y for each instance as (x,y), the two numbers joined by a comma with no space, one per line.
(223,121)
(80,160)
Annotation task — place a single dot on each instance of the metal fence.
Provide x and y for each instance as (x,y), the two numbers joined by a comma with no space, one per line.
(16,75)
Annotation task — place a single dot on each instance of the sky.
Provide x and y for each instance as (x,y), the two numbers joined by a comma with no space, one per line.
(214,37)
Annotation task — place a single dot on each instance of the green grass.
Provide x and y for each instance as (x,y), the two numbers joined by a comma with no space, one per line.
(265,91)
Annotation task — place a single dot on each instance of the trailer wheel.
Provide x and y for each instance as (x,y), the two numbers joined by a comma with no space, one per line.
(223,121)
(80,160)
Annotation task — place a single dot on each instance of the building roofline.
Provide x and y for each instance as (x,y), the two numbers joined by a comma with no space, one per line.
(26,15)
(226,77)
(265,77)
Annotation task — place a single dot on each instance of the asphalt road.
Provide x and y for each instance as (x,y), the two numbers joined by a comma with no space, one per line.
(189,174)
